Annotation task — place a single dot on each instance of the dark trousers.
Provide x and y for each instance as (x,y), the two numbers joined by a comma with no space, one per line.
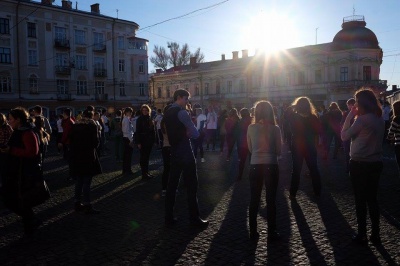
(230,141)
(268,175)
(330,136)
(243,153)
(189,174)
(82,186)
(211,137)
(160,138)
(166,155)
(145,151)
(197,144)
(118,147)
(346,149)
(222,142)
(397,152)
(308,153)
(365,179)
(127,156)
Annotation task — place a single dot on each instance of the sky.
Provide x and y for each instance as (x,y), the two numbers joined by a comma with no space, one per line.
(236,25)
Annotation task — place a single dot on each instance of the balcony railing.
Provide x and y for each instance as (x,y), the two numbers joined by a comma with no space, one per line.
(358,83)
(100,72)
(100,48)
(101,97)
(61,43)
(62,70)
(64,97)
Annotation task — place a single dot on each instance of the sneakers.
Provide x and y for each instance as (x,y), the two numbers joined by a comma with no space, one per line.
(202,160)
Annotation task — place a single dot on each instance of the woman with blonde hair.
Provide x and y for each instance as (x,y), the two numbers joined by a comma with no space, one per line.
(264,143)
(305,127)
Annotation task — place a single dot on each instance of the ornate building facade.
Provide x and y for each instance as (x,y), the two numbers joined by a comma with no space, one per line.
(324,72)
(59,56)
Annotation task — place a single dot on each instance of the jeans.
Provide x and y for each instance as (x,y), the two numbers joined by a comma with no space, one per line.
(211,135)
(189,174)
(331,135)
(307,152)
(198,144)
(82,186)
(365,179)
(127,157)
(166,155)
(267,174)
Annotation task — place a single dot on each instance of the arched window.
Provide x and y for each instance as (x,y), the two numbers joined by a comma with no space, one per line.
(33,84)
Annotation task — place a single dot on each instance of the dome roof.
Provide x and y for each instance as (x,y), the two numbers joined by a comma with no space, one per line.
(354,34)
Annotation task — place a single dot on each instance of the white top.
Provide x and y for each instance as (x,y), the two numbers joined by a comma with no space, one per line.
(59,127)
(201,117)
(212,120)
(158,119)
(264,146)
(133,121)
(127,129)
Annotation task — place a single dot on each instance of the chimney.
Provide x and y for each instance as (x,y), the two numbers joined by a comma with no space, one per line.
(158,70)
(245,53)
(223,57)
(95,8)
(47,2)
(192,60)
(235,55)
(394,87)
(66,4)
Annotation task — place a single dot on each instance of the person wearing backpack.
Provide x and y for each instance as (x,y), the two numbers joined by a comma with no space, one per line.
(116,128)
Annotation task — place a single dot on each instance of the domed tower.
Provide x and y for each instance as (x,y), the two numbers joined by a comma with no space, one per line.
(355,35)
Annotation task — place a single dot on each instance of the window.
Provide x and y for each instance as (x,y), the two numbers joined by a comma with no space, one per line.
(32,58)
(318,76)
(4,26)
(31,30)
(99,87)
(80,62)
(344,74)
(5,84)
(33,84)
(196,90)
(80,37)
(229,86)
(141,66)
(81,87)
(62,86)
(141,89)
(5,55)
(301,77)
(168,92)
(122,88)
(366,72)
(218,87)
(62,59)
(121,65)
(98,63)
(98,41)
(60,34)
(121,44)
(242,87)
(159,92)
(206,88)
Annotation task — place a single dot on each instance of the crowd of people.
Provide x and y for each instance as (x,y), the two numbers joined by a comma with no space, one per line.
(181,133)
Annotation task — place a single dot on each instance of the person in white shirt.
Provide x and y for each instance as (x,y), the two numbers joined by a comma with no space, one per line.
(59,133)
(212,122)
(198,143)
(157,121)
(127,140)
(106,122)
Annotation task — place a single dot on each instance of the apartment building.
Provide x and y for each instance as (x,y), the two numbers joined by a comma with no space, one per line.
(324,72)
(59,56)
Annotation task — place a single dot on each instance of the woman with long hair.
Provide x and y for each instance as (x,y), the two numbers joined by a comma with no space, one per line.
(264,143)
(145,138)
(305,128)
(366,134)
(394,131)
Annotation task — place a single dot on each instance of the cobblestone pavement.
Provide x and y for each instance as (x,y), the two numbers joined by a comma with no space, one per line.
(129,230)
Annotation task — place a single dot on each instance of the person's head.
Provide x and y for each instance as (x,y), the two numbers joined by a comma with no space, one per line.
(367,102)
(128,111)
(145,110)
(39,122)
(303,105)
(244,113)
(67,113)
(96,116)
(181,97)
(233,113)
(159,111)
(263,112)
(104,112)
(88,114)
(118,113)
(350,103)
(60,116)
(333,106)
(199,111)
(3,119)
(18,117)
(90,108)
(396,108)
(37,110)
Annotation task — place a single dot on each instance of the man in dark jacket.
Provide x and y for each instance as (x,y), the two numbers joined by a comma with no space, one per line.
(180,129)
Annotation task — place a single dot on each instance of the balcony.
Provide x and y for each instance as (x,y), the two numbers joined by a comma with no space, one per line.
(61,43)
(99,48)
(62,70)
(64,97)
(101,97)
(100,72)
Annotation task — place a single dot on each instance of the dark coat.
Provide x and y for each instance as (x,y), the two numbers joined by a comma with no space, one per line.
(145,132)
(84,140)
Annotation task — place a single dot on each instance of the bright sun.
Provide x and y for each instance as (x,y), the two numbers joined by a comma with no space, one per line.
(269,32)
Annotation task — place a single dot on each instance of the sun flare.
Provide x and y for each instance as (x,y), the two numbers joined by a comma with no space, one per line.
(269,32)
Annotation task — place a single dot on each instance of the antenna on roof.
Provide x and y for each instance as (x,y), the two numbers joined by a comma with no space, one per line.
(117,13)
(354,11)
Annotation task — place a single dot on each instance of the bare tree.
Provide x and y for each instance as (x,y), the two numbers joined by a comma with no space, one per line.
(161,57)
(184,55)
(199,56)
